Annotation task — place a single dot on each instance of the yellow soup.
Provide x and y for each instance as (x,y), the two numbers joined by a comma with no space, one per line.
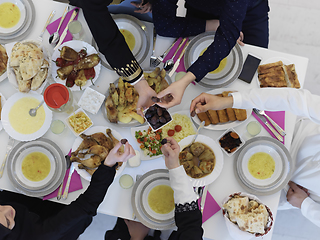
(160,199)
(261,165)
(36,166)
(222,64)
(20,119)
(9,15)
(130,40)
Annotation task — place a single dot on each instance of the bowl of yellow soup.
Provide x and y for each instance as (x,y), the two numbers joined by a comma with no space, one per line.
(36,168)
(16,119)
(12,16)
(263,165)
(152,200)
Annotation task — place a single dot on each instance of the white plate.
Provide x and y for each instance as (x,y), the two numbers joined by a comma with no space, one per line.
(278,165)
(11,131)
(222,126)
(3,76)
(273,60)
(77,46)
(22,19)
(3,101)
(82,172)
(142,155)
(206,180)
(123,23)
(140,204)
(11,75)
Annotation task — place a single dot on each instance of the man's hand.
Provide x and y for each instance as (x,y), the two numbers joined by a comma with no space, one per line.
(114,156)
(171,152)
(296,195)
(145,94)
(137,230)
(240,39)
(206,101)
(142,8)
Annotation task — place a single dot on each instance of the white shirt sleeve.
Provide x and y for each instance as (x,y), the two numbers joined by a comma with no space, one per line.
(298,101)
(182,186)
(311,210)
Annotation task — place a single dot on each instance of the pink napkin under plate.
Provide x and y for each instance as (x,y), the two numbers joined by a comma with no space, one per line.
(54,25)
(75,184)
(181,67)
(211,207)
(278,117)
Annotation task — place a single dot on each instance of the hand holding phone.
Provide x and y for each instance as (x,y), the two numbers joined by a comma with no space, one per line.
(249,68)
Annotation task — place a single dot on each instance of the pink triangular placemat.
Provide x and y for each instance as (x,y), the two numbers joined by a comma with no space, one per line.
(278,117)
(181,67)
(75,184)
(211,207)
(52,27)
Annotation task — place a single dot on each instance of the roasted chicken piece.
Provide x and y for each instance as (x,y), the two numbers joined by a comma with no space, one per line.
(112,112)
(99,150)
(89,170)
(92,162)
(101,139)
(85,144)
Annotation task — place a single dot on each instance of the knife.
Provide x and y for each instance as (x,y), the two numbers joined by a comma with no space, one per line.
(203,198)
(67,157)
(264,120)
(65,31)
(66,190)
(9,147)
(176,64)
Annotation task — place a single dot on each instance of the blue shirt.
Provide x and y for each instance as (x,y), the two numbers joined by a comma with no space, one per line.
(230,13)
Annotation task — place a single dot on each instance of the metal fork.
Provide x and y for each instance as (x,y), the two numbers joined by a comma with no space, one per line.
(160,58)
(153,58)
(275,125)
(45,26)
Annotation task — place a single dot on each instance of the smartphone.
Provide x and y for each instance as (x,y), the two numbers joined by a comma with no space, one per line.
(249,68)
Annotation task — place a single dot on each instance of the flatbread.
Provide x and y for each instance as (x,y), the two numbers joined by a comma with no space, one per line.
(31,62)
(3,60)
(24,85)
(253,223)
(39,78)
(236,206)
(292,77)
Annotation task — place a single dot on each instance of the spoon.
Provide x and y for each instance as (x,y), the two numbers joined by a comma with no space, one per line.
(67,157)
(195,136)
(168,65)
(33,111)
(54,37)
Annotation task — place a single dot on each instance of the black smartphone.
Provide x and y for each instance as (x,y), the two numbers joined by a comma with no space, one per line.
(249,68)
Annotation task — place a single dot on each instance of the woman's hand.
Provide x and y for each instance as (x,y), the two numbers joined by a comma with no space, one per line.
(296,195)
(171,152)
(143,8)
(176,90)
(206,101)
(137,230)
(145,94)
(240,39)
(114,156)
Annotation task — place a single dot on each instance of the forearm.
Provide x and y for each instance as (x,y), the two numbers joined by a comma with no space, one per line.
(311,210)
(298,101)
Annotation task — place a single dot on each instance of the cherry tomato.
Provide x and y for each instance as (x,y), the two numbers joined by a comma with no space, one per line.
(170,133)
(89,73)
(177,128)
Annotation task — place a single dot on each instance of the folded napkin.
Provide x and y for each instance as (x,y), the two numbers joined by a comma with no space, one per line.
(211,207)
(75,184)
(54,26)
(181,67)
(278,117)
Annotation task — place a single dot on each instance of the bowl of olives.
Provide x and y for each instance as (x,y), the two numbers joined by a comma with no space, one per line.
(157,117)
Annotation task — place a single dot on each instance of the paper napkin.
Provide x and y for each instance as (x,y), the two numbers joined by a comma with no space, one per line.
(211,207)
(75,184)
(54,25)
(278,117)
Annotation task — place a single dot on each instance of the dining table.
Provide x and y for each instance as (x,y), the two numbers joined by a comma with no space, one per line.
(117,201)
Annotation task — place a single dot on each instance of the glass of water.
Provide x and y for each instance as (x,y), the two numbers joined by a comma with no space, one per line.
(76,29)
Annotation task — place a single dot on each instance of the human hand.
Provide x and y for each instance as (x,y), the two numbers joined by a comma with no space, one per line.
(240,39)
(137,230)
(114,156)
(171,152)
(176,91)
(143,8)
(296,195)
(206,101)
(145,94)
